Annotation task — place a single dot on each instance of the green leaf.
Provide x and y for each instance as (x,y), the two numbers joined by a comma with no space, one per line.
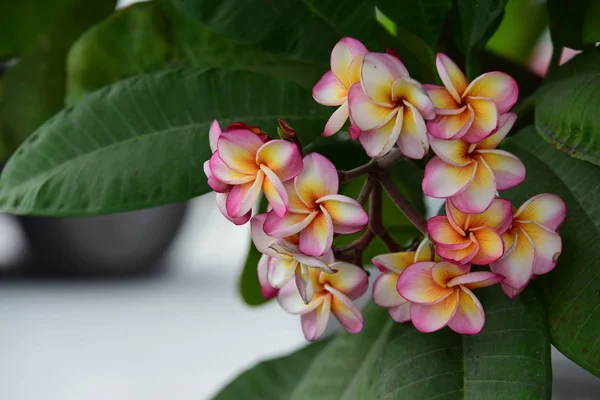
(572,288)
(566,107)
(574,23)
(155,35)
(509,359)
(424,18)
(273,379)
(34,89)
(142,142)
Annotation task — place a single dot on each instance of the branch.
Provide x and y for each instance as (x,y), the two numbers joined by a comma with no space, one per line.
(375,165)
(376,219)
(366,190)
(407,209)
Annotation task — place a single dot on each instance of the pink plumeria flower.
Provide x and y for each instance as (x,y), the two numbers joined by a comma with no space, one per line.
(267,291)
(391,266)
(390,108)
(474,238)
(332,88)
(333,294)
(249,163)
(532,244)
(471,174)
(285,261)
(441,296)
(316,210)
(468,110)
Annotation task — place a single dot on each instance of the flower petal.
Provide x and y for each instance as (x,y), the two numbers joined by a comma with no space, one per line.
(426,251)
(281,157)
(261,240)
(479,194)
(485,119)
(318,178)
(451,126)
(508,170)
(242,197)
(295,204)
(417,285)
(476,279)
(517,262)
(274,192)
(510,292)
(444,180)
(455,152)
(410,91)
(400,313)
(444,272)
(469,318)
(267,291)
(289,224)
(453,78)
(342,55)
(304,283)
(496,86)
(346,214)
(346,312)
(355,69)
(329,91)
(317,237)
(365,113)
(281,271)
(223,173)
(491,246)
(497,216)
(548,246)
(237,149)
(349,279)
(213,135)
(430,318)
(315,322)
(384,290)
(221,199)
(413,141)
(379,141)
(213,182)
(379,72)
(441,98)
(442,232)
(337,120)
(505,124)
(289,299)
(396,262)
(458,256)
(546,209)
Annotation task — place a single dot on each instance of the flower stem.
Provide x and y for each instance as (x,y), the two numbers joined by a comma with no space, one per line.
(376,218)
(365,192)
(407,209)
(375,165)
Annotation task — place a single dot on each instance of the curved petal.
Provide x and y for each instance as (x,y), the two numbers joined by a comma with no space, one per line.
(444,272)
(426,251)
(223,173)
(413,141)
(346,312)
(410,91)
(379,72)
(485,119)
(315,322)
(261,240)
(280,272)
(441,98)
(342,55)
(281,157)
(289,299)
(453,78)
(304,283)
(295,204)
(479,194)
(329,91)
(476,279)
(491,246)
(455,152)
(444,180)
(510,292)
(430,318)
(237,149)
(365,113)
(400,313)
(497,86)
(222,206)
(378,142)
(456,218)
(242,197)
(546,209)
(349,279)
(317,237)
(384,290)
(213,182)
(274,192)
(267,291)
(337,120)
(548,246)
(508,170)
(213,135)
(291,223)
(469,318)
(355,69)
(442,232)
(395,262)
(459,256)
(517,262)
(417,285)
(505,124)
(346,214)
(318,178)
(452,126)
(354,131)
(497,216)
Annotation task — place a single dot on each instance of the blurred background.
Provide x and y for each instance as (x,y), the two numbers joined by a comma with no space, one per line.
(145,305)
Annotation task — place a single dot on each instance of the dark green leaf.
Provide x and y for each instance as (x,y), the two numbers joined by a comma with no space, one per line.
(34,89)
(142,142)
(574,23)
(566,107)
(476,23)
(273,379)
(154,35)
(573,287)
(509,359)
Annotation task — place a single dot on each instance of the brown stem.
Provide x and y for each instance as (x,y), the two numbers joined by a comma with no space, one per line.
(398,198)
(366,190)
(376,218)
(375,165)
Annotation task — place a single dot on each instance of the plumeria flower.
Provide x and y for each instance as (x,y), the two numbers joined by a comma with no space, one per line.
(267,291)
(316,210)
(468,110)
(333,294)
(391,266)
(332,88)
(441,295)
(249,163)
(474,238)
(390,108)
(285,261)
(532,244)
(471,174)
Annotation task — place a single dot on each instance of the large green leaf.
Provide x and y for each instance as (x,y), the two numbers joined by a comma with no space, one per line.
(574,24)
(142,142)
(273,379)
(566,107)
(572,288)
(509,359)
(154,35)
(33,90)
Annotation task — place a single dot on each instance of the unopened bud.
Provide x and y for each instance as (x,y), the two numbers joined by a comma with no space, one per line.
(285,130)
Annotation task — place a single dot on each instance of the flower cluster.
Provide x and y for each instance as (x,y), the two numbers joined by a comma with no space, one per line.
(391,115)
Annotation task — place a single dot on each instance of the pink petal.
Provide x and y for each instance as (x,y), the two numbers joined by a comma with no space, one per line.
(261,240)
(329,91)
(384,290)
(491,246)
(476,279)
(410,91)
(242,197)
(379,72)
(497,216)
(505,124)
(413,140)
(337,120)
(416,284)
(548,246)
(441,98)
(354,131)
(396,262)
(469,318)
(349,279)
(346,214)
(517,262)
(222,206)
(213,135)
(365,113)
(546,209)
(346,312)
(497,86)
(508,170)
(442,232)
(444,180)
(451,126)
(281,157)
(430,318)
(426,251)
(213,182)
(379,141)
(455,152)
(274,192)
(317,237)
(223,173)
(342,55)
(267,291)
(510,292)
(315,322)
(304,284)
(318,178)
(400,313)
(295,204)
(291,223)
(479,194)
(452,77)
(443,272)
(458,256)
(237,149)
(289,299)
(485,119)
(281,271)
